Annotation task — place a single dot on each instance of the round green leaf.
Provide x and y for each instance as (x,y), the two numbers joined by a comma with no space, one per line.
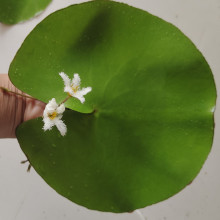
(146,128)
(14,11)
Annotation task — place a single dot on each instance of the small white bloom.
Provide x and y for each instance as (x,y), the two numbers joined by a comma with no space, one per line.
(52,116)
(73,87)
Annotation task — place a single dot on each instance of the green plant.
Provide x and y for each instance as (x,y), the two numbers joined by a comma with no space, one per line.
(146,129)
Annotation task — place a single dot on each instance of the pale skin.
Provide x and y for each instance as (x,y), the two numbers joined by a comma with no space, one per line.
(15,109)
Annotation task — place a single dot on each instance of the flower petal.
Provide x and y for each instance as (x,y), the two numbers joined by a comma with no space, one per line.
(79,96)
(48,124)
(61,109)
(86,90)
(76,80)
(69,90)
(50,107)
(52,104)
(65,78)
(61,127)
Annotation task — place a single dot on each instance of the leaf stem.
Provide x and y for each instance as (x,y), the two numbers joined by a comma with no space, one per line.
(16,93)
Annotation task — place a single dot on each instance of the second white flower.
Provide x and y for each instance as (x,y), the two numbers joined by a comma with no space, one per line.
(52,116)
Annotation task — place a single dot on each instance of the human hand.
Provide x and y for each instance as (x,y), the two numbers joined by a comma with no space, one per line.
(15,109)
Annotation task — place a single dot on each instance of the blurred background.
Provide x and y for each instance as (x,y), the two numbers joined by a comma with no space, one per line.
(25,196)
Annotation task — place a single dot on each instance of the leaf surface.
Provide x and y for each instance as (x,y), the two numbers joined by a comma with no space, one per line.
(146,128)
(14,11)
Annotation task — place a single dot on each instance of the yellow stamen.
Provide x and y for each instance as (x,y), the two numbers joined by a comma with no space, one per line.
(75,89)
(52,115)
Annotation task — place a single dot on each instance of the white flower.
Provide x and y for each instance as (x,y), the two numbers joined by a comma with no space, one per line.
(52,116)
(73,87)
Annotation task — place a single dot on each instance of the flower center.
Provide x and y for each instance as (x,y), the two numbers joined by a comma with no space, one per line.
(52,115)
(75,89)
